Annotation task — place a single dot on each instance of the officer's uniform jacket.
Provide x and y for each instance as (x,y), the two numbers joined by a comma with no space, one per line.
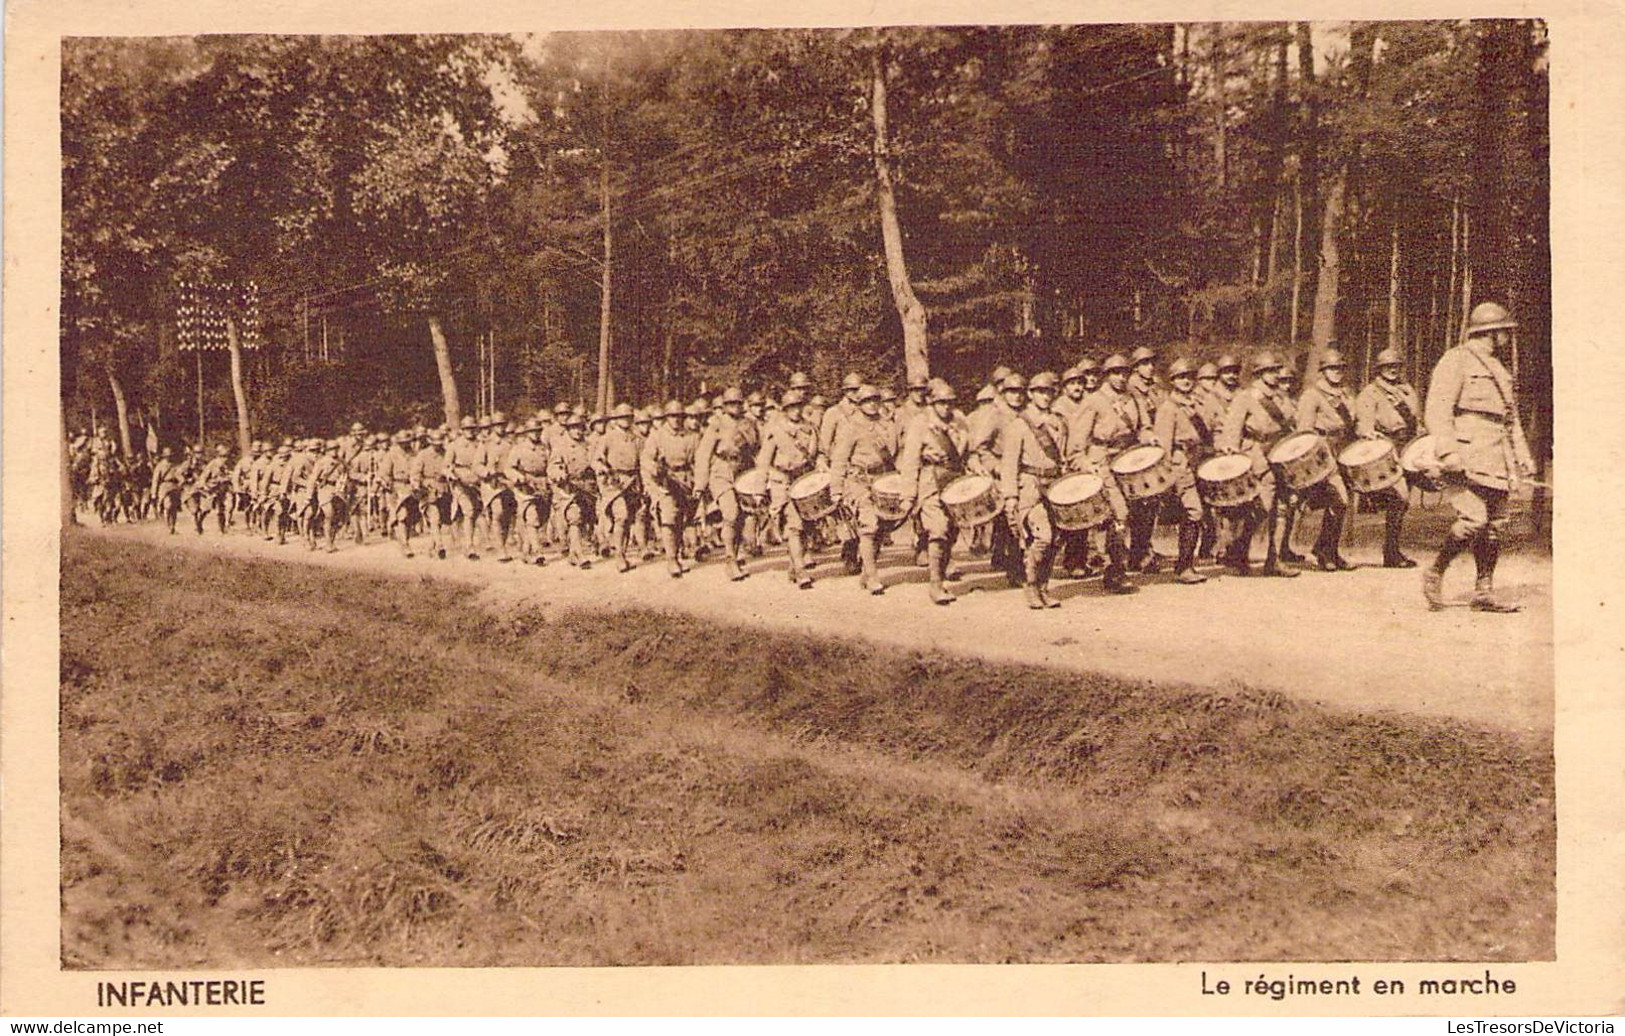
(1472,414)
(864,450)
(1391,411)
(1258,415)
(933,454)
(1326,408)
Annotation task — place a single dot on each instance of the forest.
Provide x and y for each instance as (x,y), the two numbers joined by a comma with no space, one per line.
(273,235)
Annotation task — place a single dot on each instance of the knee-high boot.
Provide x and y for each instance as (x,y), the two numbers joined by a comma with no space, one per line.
(867,558)
(1189,534)
(937,566)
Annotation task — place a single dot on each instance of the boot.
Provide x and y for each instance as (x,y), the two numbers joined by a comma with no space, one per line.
(849,556)
(1392,556)
(1289,521)
(668,543)
(1046,567)
(866,558)
(936,563)
(798,569)
(1035,598)
(1189,533)
(1486,552)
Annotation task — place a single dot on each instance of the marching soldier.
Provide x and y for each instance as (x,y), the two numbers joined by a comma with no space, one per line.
(865,448)
(987,453)
(1034,451)
(1213,397)
(330,479)
(1072,393)
(935,447)
(569,470)
(1092,373)
(165,488)
(615,462)
(1389,408)
(842,410)
(1105,425)
(1183,431)
(788,452)
(1258,415)
(724,452)
(1472,413)
(213,489)
(431,485)
(974,421)
(1142,381)
(667,467)
(526,473)
(397,506)
(465,460)
(1324,408)
(643,532)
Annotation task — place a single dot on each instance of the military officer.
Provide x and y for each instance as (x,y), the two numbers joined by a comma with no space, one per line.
(1389,408)
(788,452)
(1183,431)
(934,451)
(1472,413)
(1258,415)
(865,448)
(1034,452)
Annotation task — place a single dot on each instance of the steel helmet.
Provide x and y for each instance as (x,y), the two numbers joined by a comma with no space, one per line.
(918,382)
(1389,358)
(799,380)
(1228,362)
(1013,383)
(621,410)
(1143,355)
(817,400)
(1000,373)
(1332,358)
(888,396)
(1206,372)
(1180,368)
(1071,374)
(1487,317)
(853,380)
(1043,380)
(940,391)
(1266,360)
(1087,364)
(1116,362)
(986,394)
(793,397)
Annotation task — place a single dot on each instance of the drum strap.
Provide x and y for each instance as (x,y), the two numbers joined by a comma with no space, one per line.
(1406,414)
(1272,408)
(956,459)
(1046,442)
(1341,405)
(1193,410)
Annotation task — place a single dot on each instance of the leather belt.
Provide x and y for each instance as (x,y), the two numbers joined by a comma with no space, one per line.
(1498,418)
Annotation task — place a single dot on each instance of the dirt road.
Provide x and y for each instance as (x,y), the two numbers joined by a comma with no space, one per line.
(1360,640)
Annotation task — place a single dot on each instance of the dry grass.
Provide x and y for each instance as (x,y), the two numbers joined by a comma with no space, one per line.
(267,763)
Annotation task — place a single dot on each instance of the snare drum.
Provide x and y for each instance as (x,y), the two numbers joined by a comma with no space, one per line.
(751,489)
(1303,460)
(889,497)
(1370,465)
(1227,481)
(971,500)
(1078,502)
(1144,472)
(1420,464)
(812,497)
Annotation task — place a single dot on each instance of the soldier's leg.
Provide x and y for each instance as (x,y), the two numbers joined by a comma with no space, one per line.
(468,501)
(1190,518)
(1038,542)
(1472,517)
(1332,498)
(1394,503)
(333,512)
(1290,505)
(869,529)
(1273,498)
(938,530)
(1487,553)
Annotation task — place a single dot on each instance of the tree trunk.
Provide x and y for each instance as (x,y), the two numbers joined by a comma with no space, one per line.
(1324,329)
(1297,257)
(1396,335)
(1309,165)
(122,409)
(1466,275)
(442,363)
(1455,270)
(916,348)
(606,391)
(1221,160)
(238,394)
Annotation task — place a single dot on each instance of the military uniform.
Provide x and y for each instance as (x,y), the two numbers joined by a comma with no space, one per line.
(465,460)
(615,462)
(865,449)
(430,479)
(1472,413)
(1391,411)
(667,469)
(1032,456)
(1258,416)
(934,454)
(1183,431)
(1324,408)
(726,450)
(789,451)
(569,470)
(525,471)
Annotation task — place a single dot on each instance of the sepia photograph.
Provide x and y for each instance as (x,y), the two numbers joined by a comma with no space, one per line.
(933,493)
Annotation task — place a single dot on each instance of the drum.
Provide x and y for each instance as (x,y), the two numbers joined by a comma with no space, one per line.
(751,489)
(1370,465)
(812,497)
(1421,465)
(971,500)
(1227,481)
(1079,502)
(888,493)
(1144,472)
(1302,459)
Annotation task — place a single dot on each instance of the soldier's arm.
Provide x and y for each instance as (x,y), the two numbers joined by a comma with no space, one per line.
(1010,464)
(1443,389)
(1163,429)
(770,446)
(840,457)
(702,456)
(908,460)
(1365,413)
